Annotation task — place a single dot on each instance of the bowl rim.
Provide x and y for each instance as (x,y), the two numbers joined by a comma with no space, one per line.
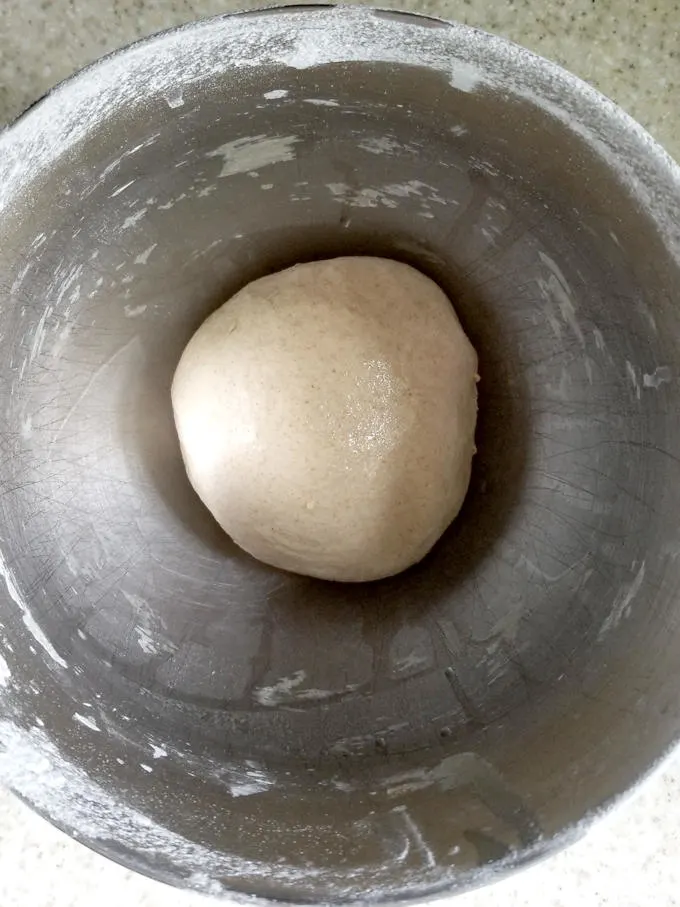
(642,152)
(660,171)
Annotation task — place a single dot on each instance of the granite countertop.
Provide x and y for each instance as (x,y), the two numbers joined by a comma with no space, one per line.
(628,860)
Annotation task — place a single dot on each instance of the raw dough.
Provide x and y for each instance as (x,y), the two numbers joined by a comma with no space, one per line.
(326,416)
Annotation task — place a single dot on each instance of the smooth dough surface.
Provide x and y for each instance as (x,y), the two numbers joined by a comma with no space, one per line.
(326,416)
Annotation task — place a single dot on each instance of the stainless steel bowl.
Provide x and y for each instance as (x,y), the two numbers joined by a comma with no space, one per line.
(220,725)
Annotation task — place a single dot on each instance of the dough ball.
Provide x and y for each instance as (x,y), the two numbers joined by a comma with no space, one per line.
(326,416)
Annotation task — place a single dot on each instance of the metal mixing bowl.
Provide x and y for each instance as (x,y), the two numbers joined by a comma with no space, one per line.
(221,725)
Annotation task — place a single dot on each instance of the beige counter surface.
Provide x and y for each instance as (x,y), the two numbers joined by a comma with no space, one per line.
(631,52)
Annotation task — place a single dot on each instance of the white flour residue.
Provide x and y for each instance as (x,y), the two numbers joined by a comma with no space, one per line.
(86,721)
(200,253)
(42,640)
(310,694)
(121,189)
(128,151)
(279,691)
(451,773)
(133,311)
(386,144)
(387,195)
(321,102)
(275,94)
(340,784)
(143,257)
(484,166)
(148,627)
(147,72)
(415,835)
(30,624)
(39,335)
(174,99)
(21,275)
(415,189)
(288,690)
(201,881)
(31,765)
(661,375)
(588,366)
(145,641)
(173,201)
(133,219)
(556,289)
(622,603)
(410,663)
(632,375)
(465,76)
(10,583)
(254,152)
(255,781)
(357,198)
(66,279)
(5,673)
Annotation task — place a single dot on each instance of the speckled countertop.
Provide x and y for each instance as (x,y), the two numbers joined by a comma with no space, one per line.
(629,51)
